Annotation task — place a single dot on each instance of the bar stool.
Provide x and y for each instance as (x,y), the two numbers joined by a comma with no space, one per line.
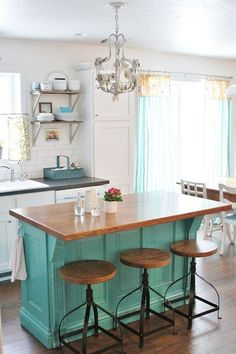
(145,258)
(88,272)
(193,249)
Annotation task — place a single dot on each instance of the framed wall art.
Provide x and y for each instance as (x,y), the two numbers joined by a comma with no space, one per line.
(45,107)
(52,134)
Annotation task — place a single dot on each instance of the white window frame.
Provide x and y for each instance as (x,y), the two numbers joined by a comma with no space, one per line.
(15,91)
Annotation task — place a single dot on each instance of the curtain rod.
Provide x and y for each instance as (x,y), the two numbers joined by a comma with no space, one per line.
(185,74)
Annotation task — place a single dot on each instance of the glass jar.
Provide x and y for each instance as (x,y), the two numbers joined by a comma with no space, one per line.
(79,205)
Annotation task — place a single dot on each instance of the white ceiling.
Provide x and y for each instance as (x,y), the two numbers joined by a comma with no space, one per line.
(198,27)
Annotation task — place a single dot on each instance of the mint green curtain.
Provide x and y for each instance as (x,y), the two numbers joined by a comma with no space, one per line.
(185,135)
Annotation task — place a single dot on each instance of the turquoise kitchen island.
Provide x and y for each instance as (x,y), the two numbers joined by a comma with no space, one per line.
(54,236)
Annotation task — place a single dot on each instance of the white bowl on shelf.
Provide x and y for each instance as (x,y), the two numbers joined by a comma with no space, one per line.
(67,117)
(45,117)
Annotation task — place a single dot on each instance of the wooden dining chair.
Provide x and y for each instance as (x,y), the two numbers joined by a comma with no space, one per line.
(198,189)
(228,218)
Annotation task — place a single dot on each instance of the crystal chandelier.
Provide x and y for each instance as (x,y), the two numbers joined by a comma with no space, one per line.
(116,74)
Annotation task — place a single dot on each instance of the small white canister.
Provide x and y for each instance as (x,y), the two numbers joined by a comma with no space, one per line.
(59,84)
(73,85)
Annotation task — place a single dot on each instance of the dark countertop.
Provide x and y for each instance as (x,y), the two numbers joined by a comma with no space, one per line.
(60,185)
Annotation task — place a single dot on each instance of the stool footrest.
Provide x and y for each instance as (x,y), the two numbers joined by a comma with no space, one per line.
(162,316)
(95,327)
(75,332)
(202,313)
(206,301)
(171,323)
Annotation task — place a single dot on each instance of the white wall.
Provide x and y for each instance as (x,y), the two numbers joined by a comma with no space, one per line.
(36,59)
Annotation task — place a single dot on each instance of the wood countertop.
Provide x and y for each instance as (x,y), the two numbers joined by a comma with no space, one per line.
(136,210)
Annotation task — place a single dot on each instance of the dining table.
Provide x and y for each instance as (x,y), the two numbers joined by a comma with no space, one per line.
(212,188)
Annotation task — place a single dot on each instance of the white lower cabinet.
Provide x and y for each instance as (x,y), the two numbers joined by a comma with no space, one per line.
(8,231)
(70,195)
(35,199)
(8,224)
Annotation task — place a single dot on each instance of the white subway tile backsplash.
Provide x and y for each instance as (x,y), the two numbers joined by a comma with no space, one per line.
(43,153)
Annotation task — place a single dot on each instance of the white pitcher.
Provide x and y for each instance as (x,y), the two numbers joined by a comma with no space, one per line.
(90,196)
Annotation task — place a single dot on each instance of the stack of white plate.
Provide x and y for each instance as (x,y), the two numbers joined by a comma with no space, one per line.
(45,117)
(67,117)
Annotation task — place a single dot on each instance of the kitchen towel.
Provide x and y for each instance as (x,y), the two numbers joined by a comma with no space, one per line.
(17,260)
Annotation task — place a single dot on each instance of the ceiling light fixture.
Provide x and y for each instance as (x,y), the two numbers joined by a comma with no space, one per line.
(119,74)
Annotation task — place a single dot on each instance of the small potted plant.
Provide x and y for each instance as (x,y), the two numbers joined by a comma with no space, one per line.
(112,197)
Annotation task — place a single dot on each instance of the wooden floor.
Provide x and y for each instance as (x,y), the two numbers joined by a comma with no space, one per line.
(208,334)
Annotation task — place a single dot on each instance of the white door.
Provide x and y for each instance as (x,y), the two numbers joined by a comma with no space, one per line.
(106,109)
(113,154)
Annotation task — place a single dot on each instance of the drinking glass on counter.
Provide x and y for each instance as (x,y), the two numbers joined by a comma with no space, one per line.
(79,205)
(96,205)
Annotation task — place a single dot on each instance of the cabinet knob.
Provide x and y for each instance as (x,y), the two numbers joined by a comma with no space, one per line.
(96,115)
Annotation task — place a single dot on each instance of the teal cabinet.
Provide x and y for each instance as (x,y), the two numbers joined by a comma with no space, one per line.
(46,297)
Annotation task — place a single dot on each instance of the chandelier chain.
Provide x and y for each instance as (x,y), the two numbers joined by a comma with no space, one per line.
(117,24)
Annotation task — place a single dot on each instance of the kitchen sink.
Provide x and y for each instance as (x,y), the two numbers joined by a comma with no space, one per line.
(8,186)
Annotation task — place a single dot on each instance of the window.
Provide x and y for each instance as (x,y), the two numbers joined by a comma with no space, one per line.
(10,103)
(10,93)
(184,135)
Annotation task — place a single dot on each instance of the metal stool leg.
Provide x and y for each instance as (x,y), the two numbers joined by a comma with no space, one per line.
(148,304)
(89,300)
(95,312)
(85,329)
(143,307)
(191,292)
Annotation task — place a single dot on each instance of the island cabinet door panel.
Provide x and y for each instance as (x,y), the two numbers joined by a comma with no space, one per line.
(35,305)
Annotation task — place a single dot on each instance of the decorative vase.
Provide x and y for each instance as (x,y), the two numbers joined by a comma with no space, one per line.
(111,207)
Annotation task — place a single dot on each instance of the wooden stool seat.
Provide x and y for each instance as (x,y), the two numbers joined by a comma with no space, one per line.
(193,248)
(145,258)
(88,272)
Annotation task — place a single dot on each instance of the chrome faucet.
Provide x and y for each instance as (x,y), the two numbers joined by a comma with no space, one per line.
(11,170)
(67,161)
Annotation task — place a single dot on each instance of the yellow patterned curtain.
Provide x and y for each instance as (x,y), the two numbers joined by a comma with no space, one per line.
(216,89)
(154,85)
(18,138)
